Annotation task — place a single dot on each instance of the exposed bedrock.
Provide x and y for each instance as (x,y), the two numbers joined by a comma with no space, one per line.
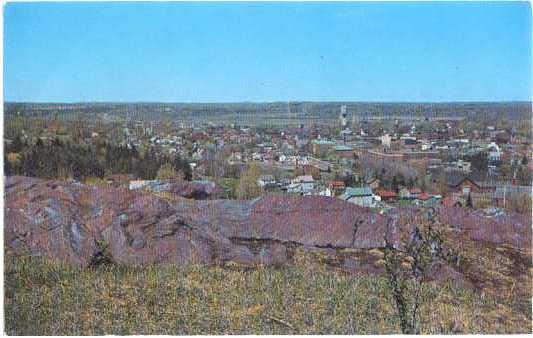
(82,225)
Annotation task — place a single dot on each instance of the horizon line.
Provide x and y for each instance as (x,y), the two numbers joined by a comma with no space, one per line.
(266,102)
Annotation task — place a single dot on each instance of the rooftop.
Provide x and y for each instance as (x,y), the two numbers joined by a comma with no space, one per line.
(359,191)
(386,193)
(323,142)
(343,148)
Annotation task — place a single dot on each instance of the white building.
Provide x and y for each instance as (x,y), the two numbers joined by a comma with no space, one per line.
(302,184)
(343,117)
(494,152)
(326,192)
(386,140)
(266,181)
(139,184)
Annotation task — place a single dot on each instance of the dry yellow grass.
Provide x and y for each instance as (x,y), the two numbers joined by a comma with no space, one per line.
(46,298)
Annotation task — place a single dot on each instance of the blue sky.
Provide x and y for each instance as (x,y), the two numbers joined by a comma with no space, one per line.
(216,52)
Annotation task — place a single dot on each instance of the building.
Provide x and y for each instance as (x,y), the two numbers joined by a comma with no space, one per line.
(386,140)
(494,152)
(325,192)
(302,184)
(266,182)
(427,200)
(405,194)
(337,187)
(373,182)
(362,196)
(321,147)
(344,151)
(323,166)
(386,195)
(466,185)
(343,117)
(415,192)
(140,184)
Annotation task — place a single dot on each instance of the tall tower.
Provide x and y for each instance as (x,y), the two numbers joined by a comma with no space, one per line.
(343,116)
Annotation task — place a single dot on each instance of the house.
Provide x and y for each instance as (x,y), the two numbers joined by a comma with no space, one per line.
(139,184)
(469,184)
(362,196)
(405,194)
(266,181)
(415,192)
(373,183)
(458,182)
(337,187)
(325,192)
(428,200)
(302,184)
(386,195)
(451,201)
(423,197)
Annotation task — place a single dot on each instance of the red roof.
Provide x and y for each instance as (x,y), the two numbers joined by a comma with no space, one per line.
(448,201)
(415,191)
(386,193)
(337,184)
(423,196)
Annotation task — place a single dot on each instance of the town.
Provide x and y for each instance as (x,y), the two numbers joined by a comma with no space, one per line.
(267,168)
(383,162)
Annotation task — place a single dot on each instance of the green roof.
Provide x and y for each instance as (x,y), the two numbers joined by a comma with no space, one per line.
(324,142)
(343,148)
(357,192)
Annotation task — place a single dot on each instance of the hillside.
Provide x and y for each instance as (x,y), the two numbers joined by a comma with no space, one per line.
(112,239)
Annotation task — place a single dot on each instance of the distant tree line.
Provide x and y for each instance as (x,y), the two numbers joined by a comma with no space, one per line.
(58,159)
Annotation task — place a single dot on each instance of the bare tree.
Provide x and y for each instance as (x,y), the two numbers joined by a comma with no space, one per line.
(421,249)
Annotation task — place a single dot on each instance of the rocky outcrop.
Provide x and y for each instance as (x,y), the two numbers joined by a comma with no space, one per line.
(73,222)
(84,225)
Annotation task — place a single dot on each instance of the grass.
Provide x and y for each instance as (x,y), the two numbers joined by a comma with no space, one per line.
(47,298)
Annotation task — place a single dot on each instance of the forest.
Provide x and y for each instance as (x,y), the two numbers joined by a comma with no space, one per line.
(65,159)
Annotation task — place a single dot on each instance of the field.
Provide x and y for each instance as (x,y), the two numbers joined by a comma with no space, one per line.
(47,298)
